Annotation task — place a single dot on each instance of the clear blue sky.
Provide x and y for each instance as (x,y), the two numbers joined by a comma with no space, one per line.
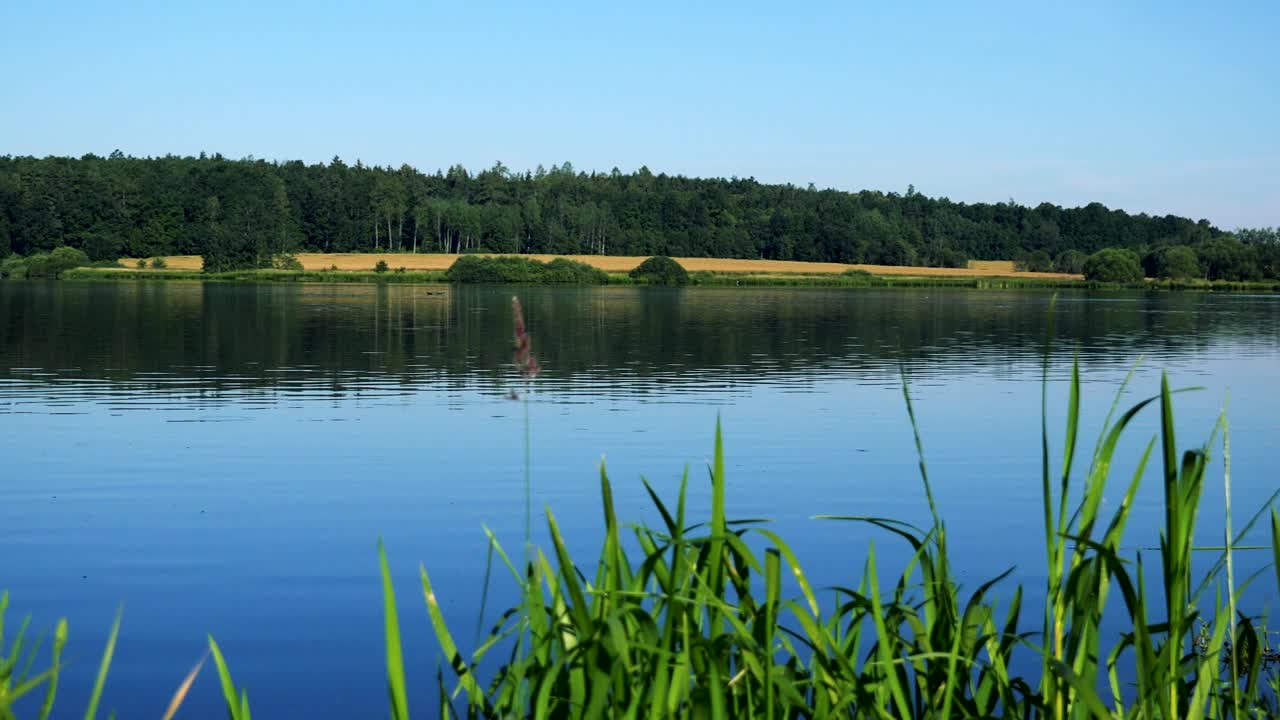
(1157,107)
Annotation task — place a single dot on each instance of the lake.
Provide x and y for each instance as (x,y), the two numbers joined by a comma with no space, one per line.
(223,458)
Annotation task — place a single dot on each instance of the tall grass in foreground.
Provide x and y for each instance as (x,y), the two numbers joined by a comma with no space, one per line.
(696,625)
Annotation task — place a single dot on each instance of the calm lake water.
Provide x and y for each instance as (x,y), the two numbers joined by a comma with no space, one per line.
(223,458)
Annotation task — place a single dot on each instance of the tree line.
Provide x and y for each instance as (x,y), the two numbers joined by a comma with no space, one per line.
(242,213)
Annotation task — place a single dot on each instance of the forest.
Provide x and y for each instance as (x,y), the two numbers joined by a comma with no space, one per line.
(242,213)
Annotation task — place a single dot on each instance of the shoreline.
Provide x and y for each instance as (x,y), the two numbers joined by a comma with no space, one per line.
(622,264)
(1031,281)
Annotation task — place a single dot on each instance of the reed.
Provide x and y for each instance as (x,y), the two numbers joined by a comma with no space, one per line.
(697,625)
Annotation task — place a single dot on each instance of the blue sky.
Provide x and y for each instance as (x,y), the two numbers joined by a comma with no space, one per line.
(1158,107)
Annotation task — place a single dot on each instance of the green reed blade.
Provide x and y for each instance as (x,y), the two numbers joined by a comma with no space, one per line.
(59,641)
(889,684)
(793,563)
(395,655)
(1275,545)
(662,508)
(229,695)
(924,468)
(96,695)
(578,606)
(395,663)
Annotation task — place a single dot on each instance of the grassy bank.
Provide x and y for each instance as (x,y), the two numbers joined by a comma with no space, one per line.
(707,279)
(700,623)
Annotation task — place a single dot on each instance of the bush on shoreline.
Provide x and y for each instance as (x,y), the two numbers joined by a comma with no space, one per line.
(514,269)
(45,265)
(1113,265)
(661,270)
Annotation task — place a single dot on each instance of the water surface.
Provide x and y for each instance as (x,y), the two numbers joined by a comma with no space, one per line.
(223,458)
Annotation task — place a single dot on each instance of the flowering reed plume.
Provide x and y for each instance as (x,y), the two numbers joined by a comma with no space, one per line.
(525,362)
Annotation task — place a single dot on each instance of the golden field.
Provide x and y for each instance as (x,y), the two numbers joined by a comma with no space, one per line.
(621,263)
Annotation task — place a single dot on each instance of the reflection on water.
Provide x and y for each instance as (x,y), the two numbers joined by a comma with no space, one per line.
(192,344)
(222,457)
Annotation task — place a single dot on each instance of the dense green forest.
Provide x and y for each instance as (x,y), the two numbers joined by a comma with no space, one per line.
(242,213)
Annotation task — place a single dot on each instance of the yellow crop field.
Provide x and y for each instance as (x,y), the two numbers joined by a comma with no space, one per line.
(622,263)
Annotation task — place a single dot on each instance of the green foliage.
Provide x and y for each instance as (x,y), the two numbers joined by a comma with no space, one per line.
(44,265)
(514,269)
(237,703)
(13,267)
(381,266)
(1226,258)
(285,261)
(64,258)
(1070,261)
(696,623)
(159,263)
(20,654)
(944,257)
(1038,261)
(38,266)
(857,277)
(238,214)
(142,264)
(1113,265)
(661,270)
(1177,262)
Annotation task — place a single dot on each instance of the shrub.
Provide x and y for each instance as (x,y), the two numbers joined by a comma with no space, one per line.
(1178,263)
(1225,258)
(857,276)
(562,270)
(381,267)
(1070,261)
(510,269)
(38,265)
(661,270)
(159,263)
(64,258)
(1038,261)
(13,267)
(500,269)
(55,263)
(142,264)
(1113,265)
(285,261)
(950,258)
(333,268)
(400,270)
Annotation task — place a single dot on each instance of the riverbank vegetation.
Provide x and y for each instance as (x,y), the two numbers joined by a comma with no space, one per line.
(660,270)
(515,269)
(715,617)
(239,214)
(853,278)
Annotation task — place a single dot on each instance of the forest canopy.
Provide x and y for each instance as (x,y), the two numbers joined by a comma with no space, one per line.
(243,213)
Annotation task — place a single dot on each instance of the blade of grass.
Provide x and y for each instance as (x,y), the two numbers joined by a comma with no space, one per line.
(229,695)
(395,655)
(96,695)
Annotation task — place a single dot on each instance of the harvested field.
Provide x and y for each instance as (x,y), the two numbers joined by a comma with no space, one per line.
(620,264)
